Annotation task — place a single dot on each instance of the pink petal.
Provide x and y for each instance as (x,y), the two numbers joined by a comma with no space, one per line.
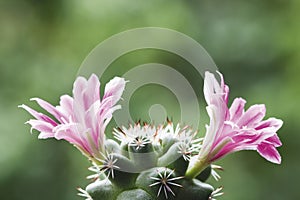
(66,105)
(93,121)
(79,87)
(266,133)
(271,122)
(41,126)
(252,116)
(107,107)
(217,117)
(115,88)
(274,140)
(211,87)
(86,93)
(224,87)
(45,135)
(269,152)
(39,116)
(34,113)
(226,149)
(237,109)
(93,89)
(49,108)
(73,133)
(92,92)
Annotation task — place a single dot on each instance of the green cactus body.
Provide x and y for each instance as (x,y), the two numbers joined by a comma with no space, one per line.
(147,168)
(102,190)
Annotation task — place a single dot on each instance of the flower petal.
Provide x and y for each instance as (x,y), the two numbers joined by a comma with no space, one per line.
(274,140)
(271,122)
(224,87)
(78,87)
(49,108)
(91,93)
(42,126)
(74,133)
(66,106)
(237,109)
(252,116)
(115,88)
(45,135)
(211,88)
(269,152)
(38,116)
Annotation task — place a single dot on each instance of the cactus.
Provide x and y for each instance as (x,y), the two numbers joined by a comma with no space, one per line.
(149,163)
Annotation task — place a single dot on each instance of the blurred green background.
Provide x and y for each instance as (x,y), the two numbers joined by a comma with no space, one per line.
(255,44)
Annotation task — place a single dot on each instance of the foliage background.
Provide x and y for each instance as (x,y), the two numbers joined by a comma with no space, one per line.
(43,42)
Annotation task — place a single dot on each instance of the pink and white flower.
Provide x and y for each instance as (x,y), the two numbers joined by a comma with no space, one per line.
(234,129)
(81,119)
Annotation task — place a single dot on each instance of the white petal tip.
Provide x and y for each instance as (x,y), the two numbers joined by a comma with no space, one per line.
(21,106)
(34,99)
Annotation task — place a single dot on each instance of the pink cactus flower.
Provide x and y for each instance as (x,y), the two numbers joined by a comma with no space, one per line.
(81,119)
(234,129)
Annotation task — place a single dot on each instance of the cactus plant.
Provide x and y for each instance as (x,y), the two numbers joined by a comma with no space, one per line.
(150,162)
